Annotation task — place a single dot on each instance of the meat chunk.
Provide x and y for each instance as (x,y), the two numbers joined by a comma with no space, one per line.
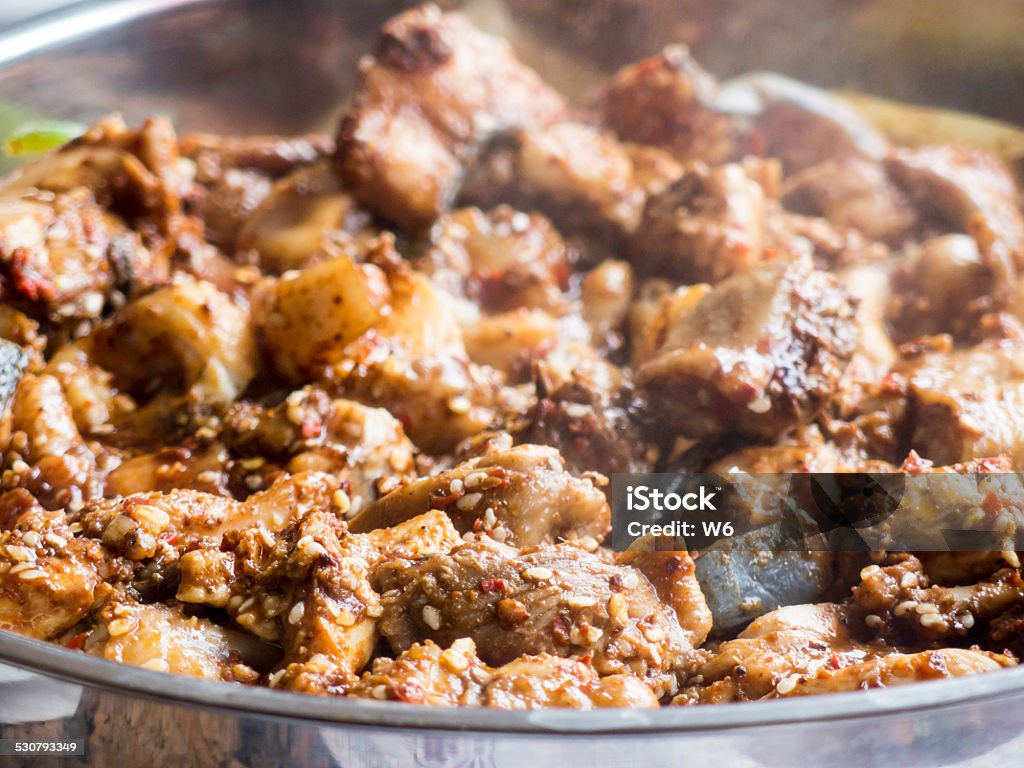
(669,101)
(801,125)
(708,225)
(163,639)
(804,649)
(50,457)
(306,588)
(553,599)
(761,353)
(968,191)
(187,337)
(853,192)
(524,491)
(49,580)
(942,287)
(966,404)
(499,260)
(456,677)
(310,431)
(434,90)
(304,216)
(587,181)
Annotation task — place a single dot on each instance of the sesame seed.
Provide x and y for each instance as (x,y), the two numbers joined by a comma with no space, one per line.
(154,516)
(31,574)
(489,519)
(575,601)
(815,667)
(31,538)
(119,627)
(431,617)
(787,684)
(341,501)
(617,608)
(932,620)
(459,404)
(379,692)
(246,604)
(924,608)
(538,574)
(908,580)
(208,476)
(455,661)
(967,620)
(275,678)
(577,410)
(19,567)
(373,611)
(593,634)
(905,606)
(469,501)
(266,537)
(874,621)
(296,613)
(20,467)
(473,479)
(55,541)
(869,572)
(157,665)
(24,554)
(653,634)
(254,463)
(455,486)
(630,580)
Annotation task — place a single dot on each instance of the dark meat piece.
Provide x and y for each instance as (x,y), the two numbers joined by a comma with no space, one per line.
(942,287)
(853,192)
(434,90)
(274,156)
(967,190)
(708,225)
(668,101)
(799,124)
(967,404)
(500,260)
(556,599)
(761,353)
(304,217)
(584,179)
(523,491)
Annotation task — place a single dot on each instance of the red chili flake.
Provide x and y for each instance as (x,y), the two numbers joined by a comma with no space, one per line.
(991,505)
(311,427)
(441,500)
(411,692)
(77,642)
(170,537)
(894,384)
(492,585)
(836,661)
(27,281)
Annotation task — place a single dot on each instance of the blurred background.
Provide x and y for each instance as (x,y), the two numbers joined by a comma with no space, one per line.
(963,54)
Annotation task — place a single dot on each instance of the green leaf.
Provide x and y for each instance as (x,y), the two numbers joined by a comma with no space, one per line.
(35,136)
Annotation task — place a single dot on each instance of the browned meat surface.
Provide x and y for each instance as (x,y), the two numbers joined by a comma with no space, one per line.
(341,416)
(522,495)
(433,91)
(707,226)
(559,600)
(761,353)
(425,674)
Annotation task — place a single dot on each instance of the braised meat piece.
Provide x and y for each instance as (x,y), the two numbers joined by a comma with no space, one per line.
(707,226)
(553,599)
(425,674)
(760,354)
(433,91)
(522,495)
